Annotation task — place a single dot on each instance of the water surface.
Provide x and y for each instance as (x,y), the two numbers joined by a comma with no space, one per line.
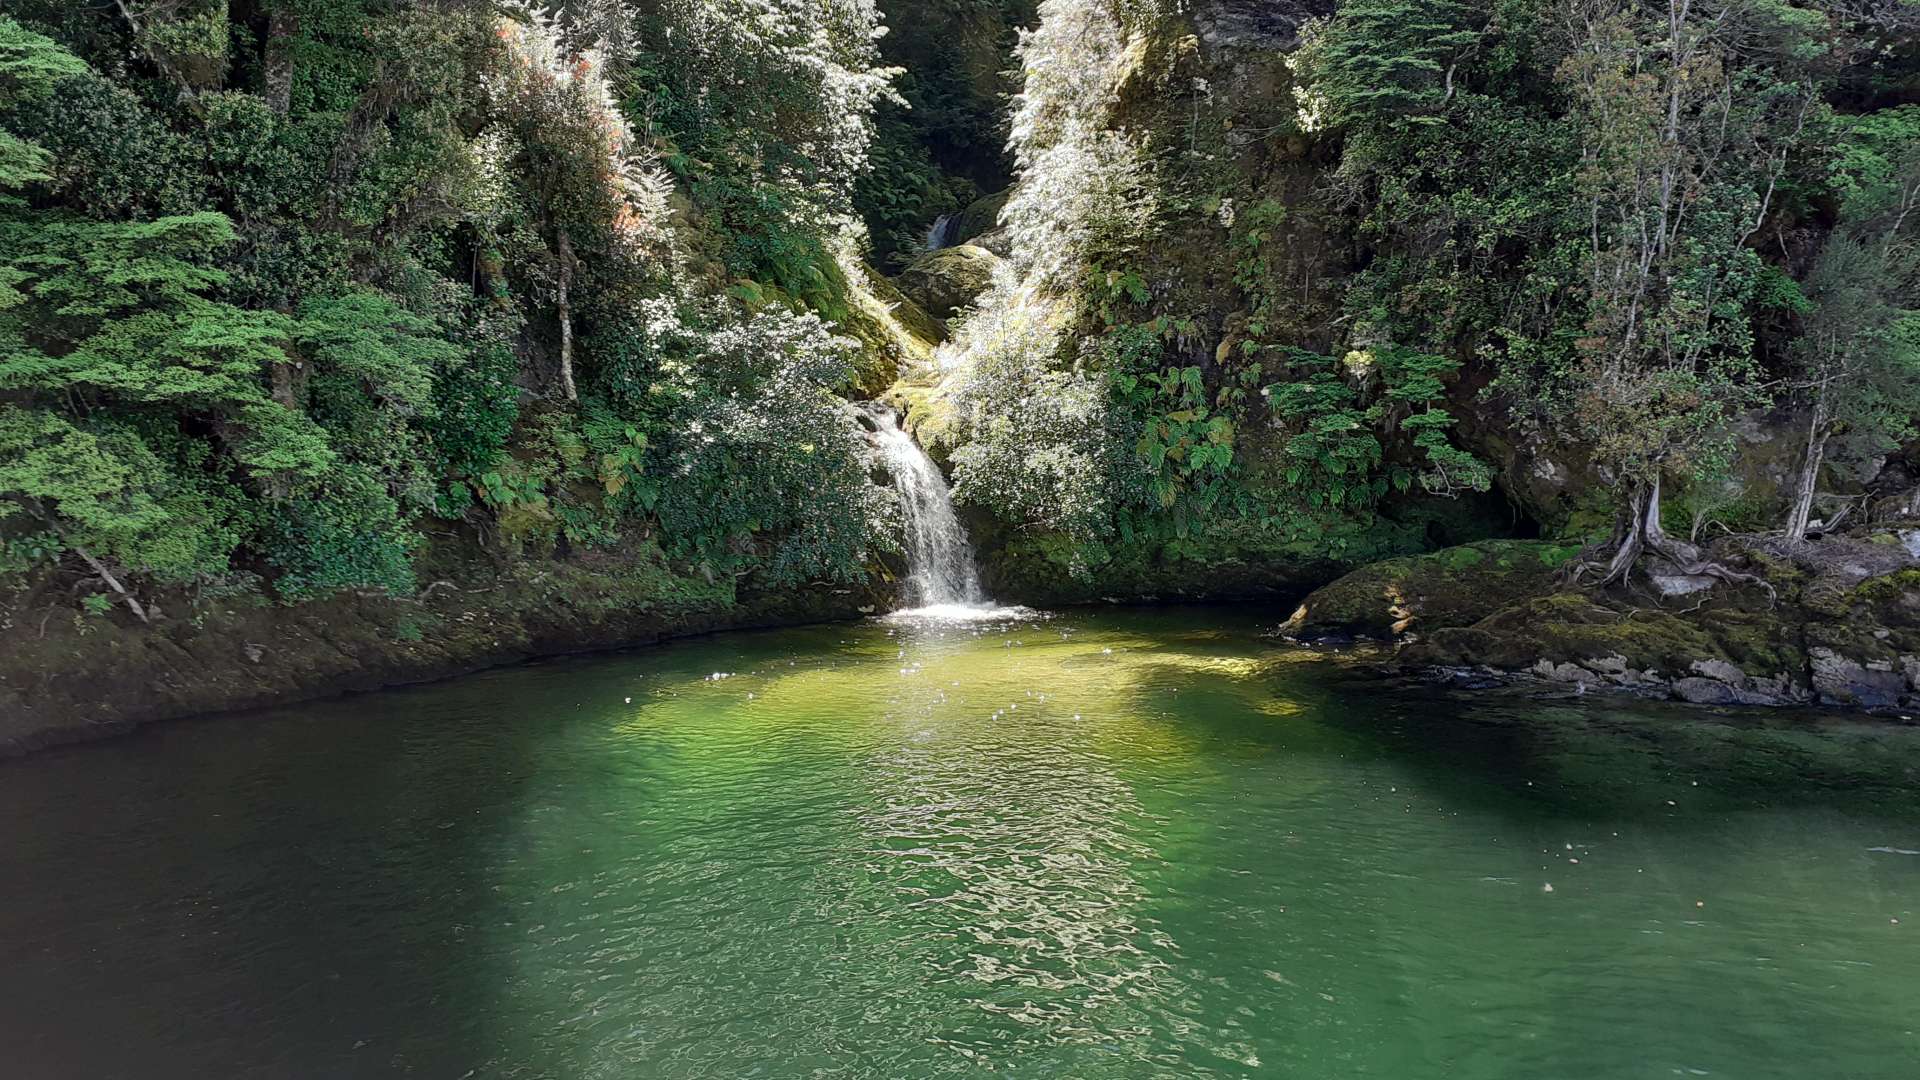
(1115,844)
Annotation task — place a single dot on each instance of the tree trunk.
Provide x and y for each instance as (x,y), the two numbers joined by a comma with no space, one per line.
(283,25)
(285,389)
(1636,528)
(99,568)
(1637,533)
(113,583)
(188,95)
(1818,432)
(563,302)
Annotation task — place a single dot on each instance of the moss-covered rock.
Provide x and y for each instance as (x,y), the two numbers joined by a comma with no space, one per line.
(895,334)
(945,281)
(1456,586)
(1835,622)
(1803,639)
(982,216)
(1036,566)
(1037,569)
(1570,627)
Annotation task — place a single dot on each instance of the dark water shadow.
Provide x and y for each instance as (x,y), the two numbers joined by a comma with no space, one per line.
(228,891)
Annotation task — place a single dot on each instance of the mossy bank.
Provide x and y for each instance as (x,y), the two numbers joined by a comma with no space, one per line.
(1833,622)
(68,677)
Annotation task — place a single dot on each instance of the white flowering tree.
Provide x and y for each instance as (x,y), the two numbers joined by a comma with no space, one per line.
(568,166)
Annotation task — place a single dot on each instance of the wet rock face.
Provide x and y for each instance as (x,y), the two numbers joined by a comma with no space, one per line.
(1713,682)
(1845,680)
(1267,24)
(980,218)
(1903,504)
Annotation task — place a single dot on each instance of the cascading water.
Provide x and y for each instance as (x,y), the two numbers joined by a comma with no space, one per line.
(941,576)
(940,234)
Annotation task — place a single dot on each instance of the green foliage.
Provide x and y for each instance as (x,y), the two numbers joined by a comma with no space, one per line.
(903,192)
(1041,443)
(1333,453)
(23,554)
(342,532)
(269,301)
(1386,62)
(1186,446)
(767,107)
(395,355)
(117,314)
(475,405)
(1858,355)
(30,66)
(764,448)
(122,363)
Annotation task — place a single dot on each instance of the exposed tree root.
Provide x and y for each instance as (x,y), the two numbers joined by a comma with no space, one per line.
(1636,535)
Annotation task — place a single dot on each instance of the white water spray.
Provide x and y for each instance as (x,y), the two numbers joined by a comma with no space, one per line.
(941,580)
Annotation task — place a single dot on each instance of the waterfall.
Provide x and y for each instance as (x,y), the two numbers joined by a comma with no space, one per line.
(941,576)
(941,234)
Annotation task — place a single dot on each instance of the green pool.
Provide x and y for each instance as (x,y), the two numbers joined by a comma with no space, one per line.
(1104,844)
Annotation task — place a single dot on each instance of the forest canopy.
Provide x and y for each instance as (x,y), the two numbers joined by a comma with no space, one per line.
(290,287)
(281,281)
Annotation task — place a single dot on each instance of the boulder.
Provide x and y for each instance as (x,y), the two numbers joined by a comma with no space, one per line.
(1456,586)
(944,282)
(980,218)
(894,333)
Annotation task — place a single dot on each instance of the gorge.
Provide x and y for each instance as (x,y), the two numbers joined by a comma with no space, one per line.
(1118,538)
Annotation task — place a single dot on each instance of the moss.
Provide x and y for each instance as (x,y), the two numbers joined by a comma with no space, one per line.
(929,417)
(1558,555)
(1569,627)
(1605,635)
(946,281)
(482,609)
(1049,567)
(1902,585)
(1453,587)
(894,333)
(981,216)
